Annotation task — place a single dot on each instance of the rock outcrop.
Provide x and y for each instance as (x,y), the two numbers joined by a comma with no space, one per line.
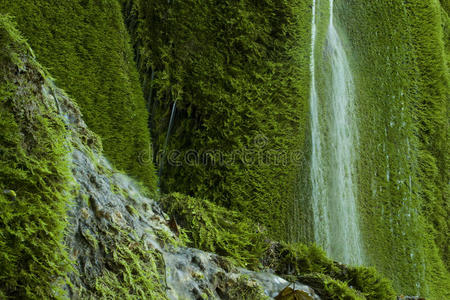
(111,217)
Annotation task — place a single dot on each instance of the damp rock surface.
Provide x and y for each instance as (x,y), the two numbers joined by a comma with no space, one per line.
(110,212)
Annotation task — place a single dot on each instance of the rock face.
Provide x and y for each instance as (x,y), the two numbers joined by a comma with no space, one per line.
(109,204)
(194,273)
(112,223)
(117,238)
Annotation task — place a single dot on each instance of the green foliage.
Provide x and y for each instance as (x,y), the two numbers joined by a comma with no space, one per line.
(329,288)
(369,282)
(400,58)
(213,228)
(336,289)
(131,271)
(12,41)
(34,164)
(232,70)
(239,73)
(242,289)
(85,45)
(298,261)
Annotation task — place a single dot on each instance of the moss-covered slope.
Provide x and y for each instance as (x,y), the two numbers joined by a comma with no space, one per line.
(35,181)
(239,74)
(86,46)
(399,52)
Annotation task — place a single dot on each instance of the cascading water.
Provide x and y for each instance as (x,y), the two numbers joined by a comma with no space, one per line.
(334,143)
(321,226)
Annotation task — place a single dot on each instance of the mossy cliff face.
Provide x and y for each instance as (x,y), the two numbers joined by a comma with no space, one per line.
(239,74)
(71,225)
(399,54)
(86,47)
(118,241)
(227,100)
(35,181)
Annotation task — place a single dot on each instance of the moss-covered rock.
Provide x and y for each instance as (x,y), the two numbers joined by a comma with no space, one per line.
(329,288)
(212,228)
(87,49)
(40,130)
(215,229)
(35,177)
(330,279)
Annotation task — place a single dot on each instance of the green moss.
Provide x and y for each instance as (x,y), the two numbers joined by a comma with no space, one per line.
(300,262)
(299,259)
(130,272)
(35,176)
(119,191)
(239,73)
(166,238)
(212,228)
(370,283)
(329,288)
(92,241)
(85,45)
(402,84)
(335,289)
(85,199)
(215,229)
(34,163)
(132,210)
(242,289)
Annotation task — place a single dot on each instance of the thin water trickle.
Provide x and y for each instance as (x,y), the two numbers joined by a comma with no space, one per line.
(166,141)
(333,157)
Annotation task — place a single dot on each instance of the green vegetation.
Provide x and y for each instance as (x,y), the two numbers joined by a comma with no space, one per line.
(310,265)
(228,233)
(35,177)
(131,271)
(242,289)
(235,74)
(86,47)
(399,52)
(215,229)
(239,74)
(329,288)
(36,187)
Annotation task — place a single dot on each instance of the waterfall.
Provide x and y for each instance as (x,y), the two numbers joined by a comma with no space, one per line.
(334,144)
(321,226)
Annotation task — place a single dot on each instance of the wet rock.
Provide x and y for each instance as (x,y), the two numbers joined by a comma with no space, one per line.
(273,285)
(188,273)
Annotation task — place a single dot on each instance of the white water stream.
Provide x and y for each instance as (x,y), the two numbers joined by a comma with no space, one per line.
(334,144)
